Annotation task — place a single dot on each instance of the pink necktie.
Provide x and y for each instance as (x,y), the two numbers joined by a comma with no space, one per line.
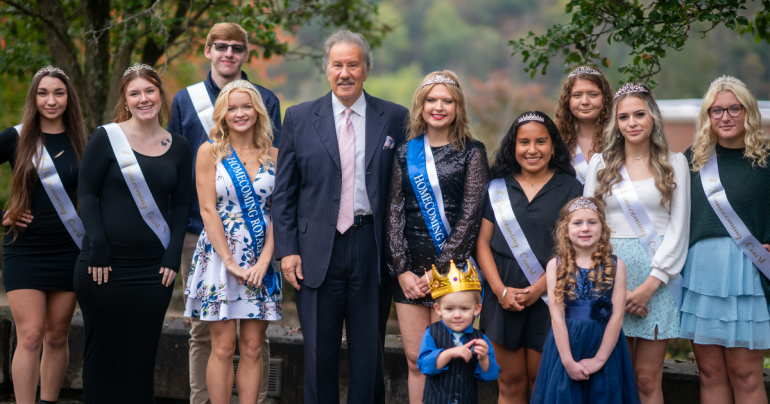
(347,143)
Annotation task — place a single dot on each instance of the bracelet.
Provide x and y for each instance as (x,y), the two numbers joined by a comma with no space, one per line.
(504,293)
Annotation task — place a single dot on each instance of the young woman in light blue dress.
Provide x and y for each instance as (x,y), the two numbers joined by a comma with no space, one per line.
(661,181)
(231,277)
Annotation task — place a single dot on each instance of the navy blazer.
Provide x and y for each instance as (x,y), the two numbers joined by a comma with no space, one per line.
(308,180)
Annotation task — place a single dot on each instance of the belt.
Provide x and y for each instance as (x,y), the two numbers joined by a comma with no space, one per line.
(362,220)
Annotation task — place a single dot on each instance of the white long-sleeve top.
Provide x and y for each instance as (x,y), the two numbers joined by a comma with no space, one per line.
(673,223)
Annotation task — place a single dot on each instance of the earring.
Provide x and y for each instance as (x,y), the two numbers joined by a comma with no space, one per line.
(126,109)
(619,136)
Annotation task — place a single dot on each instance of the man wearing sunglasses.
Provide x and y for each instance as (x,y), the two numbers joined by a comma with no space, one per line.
(192,110)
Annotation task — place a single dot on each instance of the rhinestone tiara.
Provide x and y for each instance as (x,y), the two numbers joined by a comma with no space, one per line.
(238,84)
(582,203)
(584,70)
(439,79)
(137,67)
(726,79)
(53,69)
(631,88)
(531,117)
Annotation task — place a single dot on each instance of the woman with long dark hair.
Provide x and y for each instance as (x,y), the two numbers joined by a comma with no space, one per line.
(441,166)
(532,179)
(42,231)
(584,108)
(134,195)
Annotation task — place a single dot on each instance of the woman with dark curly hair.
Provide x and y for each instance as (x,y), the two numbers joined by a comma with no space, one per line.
(584,108)
(532,180)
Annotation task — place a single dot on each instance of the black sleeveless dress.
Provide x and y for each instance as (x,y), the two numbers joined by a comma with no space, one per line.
(43,255)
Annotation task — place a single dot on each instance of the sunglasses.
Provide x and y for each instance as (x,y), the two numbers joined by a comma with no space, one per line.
(222,47)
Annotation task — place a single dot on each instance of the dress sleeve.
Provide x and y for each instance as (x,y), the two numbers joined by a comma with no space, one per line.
(96,160)
(9,140)
(670,257)
(398,252)
(179,207)
(596,164)
(462,240)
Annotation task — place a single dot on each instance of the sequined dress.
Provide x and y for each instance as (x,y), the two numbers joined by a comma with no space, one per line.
(463,177)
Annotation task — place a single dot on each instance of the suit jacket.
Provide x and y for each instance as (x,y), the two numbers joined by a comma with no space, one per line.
(308,180)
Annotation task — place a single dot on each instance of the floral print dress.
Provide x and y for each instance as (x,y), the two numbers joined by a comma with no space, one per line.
(213,293)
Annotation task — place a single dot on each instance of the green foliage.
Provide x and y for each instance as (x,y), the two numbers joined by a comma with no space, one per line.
(650,29)
(95,41)
(397,86)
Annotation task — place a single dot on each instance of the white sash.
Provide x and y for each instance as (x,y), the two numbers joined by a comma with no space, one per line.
(134,177)
(54,187)
(580,164)
(430,167)
(202,103)
(715,192)
(513,234)
(643,227)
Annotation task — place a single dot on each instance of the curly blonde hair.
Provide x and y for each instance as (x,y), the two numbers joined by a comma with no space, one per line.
(602,270)
(460,131)
(614,153)
(757,141)
(567,122)
(263,128)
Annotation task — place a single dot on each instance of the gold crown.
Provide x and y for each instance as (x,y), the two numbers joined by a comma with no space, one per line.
(454,281)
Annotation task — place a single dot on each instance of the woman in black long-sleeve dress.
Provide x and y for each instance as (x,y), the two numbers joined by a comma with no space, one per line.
(39,252)
(462,169)
(124,275)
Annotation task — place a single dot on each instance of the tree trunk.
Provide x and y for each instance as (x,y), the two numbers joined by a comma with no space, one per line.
(97,60)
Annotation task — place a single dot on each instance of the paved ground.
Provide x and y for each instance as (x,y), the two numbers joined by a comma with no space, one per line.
(7,398)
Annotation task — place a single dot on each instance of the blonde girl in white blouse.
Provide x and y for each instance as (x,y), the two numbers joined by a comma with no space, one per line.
(637,149)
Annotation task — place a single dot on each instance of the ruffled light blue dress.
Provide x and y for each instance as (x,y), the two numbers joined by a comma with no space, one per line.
(723,302)
(586,320)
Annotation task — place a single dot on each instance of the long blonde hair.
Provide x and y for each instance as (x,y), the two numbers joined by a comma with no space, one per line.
(757,141)
(460,130)
(614,153)
(602,270)
(263,128)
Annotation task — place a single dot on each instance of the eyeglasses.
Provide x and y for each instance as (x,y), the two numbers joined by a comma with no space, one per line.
(222,47)
(733,110)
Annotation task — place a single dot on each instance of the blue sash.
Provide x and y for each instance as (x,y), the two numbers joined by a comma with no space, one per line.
(252,213)
(418,176)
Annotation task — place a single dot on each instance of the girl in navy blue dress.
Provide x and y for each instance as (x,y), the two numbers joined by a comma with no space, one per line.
(585,281)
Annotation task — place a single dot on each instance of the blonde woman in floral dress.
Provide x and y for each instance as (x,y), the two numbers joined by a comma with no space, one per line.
(231,277)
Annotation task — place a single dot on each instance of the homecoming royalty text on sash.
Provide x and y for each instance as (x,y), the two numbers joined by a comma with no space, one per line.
(251,211)
(581,165)
(717,197)
(421,169)
(513,234)
(137,184)
(54,187)
(643,227)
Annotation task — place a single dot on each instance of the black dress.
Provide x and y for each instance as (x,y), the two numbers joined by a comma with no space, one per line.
(43,255)
(463,177)
(124,317)
(527,328)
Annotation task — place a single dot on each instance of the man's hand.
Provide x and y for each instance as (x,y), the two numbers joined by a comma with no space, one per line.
(291,266)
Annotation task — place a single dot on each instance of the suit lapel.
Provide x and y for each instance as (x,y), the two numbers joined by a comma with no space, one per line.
(375,125)
(324,124)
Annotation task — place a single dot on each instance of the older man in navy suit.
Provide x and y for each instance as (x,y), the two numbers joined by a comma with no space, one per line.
(329,201)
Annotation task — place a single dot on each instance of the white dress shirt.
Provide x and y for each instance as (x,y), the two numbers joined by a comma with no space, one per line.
(361,204)
(673,222)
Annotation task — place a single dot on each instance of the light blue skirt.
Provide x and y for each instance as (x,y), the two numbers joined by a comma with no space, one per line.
(723,302)
(663,311)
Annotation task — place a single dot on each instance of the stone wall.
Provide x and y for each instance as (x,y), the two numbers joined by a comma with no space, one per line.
(680,380)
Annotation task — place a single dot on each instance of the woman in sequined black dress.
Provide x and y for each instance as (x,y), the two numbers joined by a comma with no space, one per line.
(438,111)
